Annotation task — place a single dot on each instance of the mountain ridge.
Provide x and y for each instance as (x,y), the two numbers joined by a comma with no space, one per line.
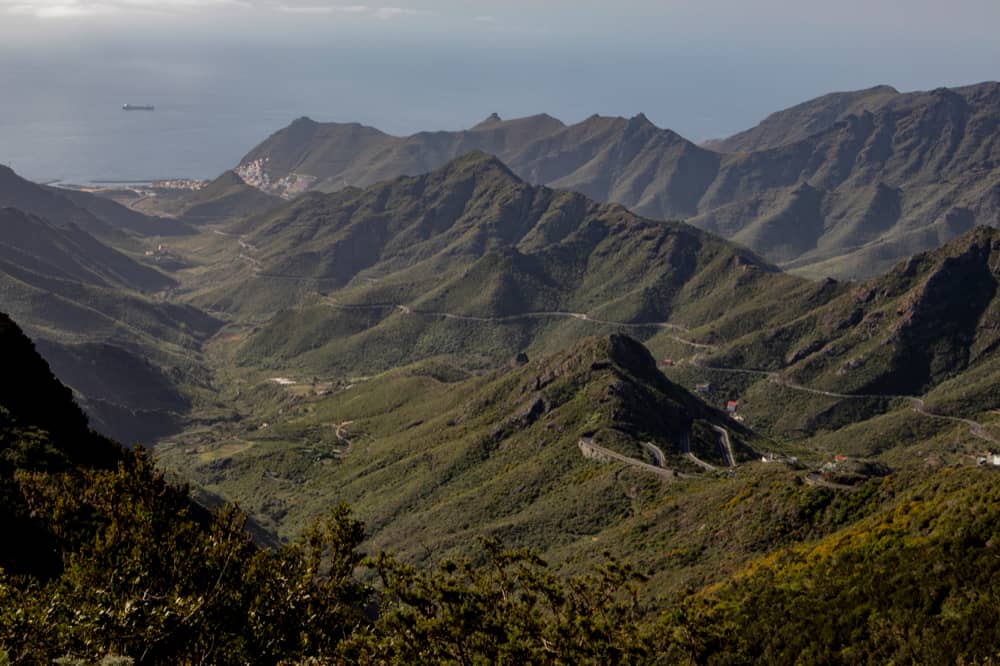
(849,147)
(803,120)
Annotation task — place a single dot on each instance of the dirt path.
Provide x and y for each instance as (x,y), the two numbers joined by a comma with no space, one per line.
(814,479)
(580,316)
(255,266)
(977,430)
(340,431)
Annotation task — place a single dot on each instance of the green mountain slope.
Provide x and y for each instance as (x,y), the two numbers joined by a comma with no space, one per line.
(472,266)
(901,568)
(432,460)
(630,161)
(330,156)
(873,367)
(469,266)
(472,262)
(909,176)
(122,217)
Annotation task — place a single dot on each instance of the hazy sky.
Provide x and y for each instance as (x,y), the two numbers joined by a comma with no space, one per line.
(702,67)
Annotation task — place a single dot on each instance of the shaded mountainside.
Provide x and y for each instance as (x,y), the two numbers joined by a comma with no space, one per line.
(843,185)
(31,245)
(91,309)
(33,407)
(853,199)
(127,396)
(37,398)
(122,217)
(98,216)
(45,202)
(930,319)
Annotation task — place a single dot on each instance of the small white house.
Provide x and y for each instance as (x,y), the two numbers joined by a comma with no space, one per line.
(989,460)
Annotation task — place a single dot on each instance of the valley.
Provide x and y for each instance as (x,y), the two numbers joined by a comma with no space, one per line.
(464,355)
(365,382)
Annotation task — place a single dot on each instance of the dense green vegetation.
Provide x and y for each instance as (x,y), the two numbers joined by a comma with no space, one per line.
(906,572)
(485,266)
(914,584)
(431,460)
(142,573)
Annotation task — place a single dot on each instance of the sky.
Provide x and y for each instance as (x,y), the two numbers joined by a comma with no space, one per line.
(705,68)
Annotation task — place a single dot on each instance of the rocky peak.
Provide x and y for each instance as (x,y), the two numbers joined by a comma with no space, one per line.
(492,119)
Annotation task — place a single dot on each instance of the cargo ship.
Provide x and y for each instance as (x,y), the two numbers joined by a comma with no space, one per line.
(138,107)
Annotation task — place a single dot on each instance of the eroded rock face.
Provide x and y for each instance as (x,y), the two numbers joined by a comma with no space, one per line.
(526,415)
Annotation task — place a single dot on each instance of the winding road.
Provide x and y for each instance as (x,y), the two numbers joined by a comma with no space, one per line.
(596,452)
(686,447)
(581,316)
(340,431)
(977,430)
(726,444)
(657,453)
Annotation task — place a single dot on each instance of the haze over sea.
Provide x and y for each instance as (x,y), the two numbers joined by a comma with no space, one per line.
(223,75)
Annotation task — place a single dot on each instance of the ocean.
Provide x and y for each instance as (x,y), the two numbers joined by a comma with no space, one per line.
(95,140)
(61,117)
